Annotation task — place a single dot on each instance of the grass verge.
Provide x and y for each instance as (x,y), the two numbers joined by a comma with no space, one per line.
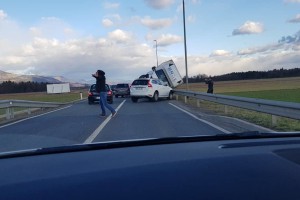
(265,120)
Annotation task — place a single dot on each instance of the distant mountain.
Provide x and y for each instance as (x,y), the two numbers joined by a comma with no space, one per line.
(72,82)
(5,76)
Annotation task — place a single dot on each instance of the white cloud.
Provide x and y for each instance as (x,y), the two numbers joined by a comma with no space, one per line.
(3,15)
(156,23)
(249,27)
(159,4)
(53,27)
(261,49)
(107,22)
(220,53)
(296,19)
(168,39)
(78,58)
(111,20)
(120,36)
(51,48)
(108,5)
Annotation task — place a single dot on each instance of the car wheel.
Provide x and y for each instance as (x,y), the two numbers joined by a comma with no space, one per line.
(90,102)
(155,96)
(116,96)
(170,95)
(134,99)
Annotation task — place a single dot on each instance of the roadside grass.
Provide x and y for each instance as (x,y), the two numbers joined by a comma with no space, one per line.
(285,89)
(262,119)
(42,96)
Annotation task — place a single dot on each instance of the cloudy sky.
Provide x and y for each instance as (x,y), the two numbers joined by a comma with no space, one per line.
(74,38)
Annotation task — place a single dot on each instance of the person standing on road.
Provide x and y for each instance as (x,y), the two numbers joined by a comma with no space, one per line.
(101,88)
(210,85)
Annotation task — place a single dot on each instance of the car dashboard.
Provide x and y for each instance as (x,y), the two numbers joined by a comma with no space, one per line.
(265,168)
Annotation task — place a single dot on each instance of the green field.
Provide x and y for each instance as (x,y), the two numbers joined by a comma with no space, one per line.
(290,95)
(42,96)
(247,85)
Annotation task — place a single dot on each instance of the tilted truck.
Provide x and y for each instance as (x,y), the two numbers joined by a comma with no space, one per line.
(168,73)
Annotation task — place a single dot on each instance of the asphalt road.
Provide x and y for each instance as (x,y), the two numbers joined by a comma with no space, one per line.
(81,123)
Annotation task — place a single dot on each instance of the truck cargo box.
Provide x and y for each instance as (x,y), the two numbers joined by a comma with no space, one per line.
(168,73)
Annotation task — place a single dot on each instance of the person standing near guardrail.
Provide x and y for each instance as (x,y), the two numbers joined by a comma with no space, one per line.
(210,85)
(101,88)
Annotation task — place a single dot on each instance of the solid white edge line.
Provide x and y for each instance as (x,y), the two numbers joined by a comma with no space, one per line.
(102,125)
(34,117)
(202,120)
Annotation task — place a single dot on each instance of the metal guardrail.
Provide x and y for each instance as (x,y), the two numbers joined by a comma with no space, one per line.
(278,108)
(11,104)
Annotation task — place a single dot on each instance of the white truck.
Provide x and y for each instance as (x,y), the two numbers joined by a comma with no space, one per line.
(169,74)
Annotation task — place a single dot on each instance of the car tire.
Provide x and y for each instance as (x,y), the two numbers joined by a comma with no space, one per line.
(134,99)
(110,102)
(170,95)
(116,96)
(155,96)
(90,102)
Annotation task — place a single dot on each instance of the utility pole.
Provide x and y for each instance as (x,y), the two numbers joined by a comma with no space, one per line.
(185,51)
(156,53)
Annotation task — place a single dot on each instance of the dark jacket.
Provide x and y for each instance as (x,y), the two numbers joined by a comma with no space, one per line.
(100,83)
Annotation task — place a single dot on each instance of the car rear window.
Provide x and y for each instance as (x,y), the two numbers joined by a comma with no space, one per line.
(122,86)
(93,88)
(140,82)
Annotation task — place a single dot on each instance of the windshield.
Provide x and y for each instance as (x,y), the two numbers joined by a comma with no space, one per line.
(231,67)
(122,86)
(140,82)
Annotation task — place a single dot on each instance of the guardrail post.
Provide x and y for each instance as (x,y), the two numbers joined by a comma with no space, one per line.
(185,99)
(226,109)
(177,97)
(28,111)
(9,113)
(198,103)
(274,120)
(80,95)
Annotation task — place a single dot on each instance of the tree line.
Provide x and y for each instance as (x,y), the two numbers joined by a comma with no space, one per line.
(7,87)
(275,73)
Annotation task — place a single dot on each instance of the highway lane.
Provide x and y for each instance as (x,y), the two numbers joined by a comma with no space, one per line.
(71,125)
(147,119)
(74,124)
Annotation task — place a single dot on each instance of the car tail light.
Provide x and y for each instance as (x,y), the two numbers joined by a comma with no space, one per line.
(149,84)
(109,92)
(90,94)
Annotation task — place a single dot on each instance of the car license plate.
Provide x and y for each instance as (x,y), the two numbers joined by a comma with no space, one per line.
(98,98)
(139,88)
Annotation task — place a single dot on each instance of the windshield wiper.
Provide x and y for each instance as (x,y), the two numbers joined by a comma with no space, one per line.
(145,142)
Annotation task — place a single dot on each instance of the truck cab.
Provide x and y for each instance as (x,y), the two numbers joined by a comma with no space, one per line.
(168,73)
